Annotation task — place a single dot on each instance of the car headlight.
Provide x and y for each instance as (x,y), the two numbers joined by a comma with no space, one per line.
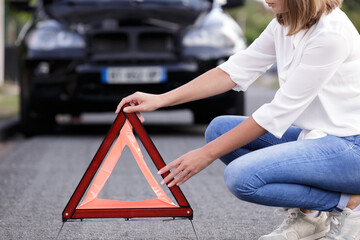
(50,39)
(218,30)
(208,37)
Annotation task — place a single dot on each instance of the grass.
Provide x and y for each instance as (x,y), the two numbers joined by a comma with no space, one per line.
(9,100)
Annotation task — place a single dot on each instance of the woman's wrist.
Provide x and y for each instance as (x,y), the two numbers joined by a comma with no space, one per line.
(209,153)
(162,101)
(168,99)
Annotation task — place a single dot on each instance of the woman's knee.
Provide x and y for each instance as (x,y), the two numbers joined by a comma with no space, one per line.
(220,125)
(212,131)
(241,180)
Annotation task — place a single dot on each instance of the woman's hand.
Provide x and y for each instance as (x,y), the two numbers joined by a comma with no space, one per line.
(139,102)
(194,161)
(185,167)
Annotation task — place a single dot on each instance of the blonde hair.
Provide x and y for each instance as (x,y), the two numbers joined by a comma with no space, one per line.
(303,14)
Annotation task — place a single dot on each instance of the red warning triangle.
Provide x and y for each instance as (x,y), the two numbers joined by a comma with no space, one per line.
(84,203)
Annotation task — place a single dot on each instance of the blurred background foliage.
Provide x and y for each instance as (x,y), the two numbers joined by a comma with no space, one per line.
(253,18)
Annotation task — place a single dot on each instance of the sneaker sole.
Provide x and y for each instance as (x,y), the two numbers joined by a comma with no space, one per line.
(315,236)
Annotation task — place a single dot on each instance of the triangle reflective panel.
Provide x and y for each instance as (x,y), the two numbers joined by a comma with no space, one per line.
(84,203)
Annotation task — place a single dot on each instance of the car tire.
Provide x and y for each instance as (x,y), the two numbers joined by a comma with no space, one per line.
(31,122)
(41,124)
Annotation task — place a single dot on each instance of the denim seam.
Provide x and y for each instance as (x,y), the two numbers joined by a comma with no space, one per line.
(264,140)
(332,154)
(238,155)
(353,150)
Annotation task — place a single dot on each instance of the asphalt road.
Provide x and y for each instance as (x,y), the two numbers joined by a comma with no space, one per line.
(39,175)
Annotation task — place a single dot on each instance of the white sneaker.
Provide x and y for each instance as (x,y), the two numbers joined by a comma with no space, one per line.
(298,226)
(344,225)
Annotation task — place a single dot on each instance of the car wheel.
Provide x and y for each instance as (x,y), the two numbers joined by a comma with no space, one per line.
(32,122)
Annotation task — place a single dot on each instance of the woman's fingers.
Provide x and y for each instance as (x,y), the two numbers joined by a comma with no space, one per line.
(181,178)
(173,165)
(134,108)
(169,177)
(180,173)
(123,101)
(178,176)
(141,118)
(134,99)
(185,167)
(139,102)
(129,109)
(165,169)
(184,179)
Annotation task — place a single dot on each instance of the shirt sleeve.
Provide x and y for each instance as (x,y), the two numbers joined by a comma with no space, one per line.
(245,66)
(320,60)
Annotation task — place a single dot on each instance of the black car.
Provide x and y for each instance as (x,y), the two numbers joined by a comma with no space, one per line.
(81,56)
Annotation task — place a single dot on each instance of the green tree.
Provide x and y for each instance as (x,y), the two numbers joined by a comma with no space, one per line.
(14,21)
(352,4)
(352,9)
(253,18)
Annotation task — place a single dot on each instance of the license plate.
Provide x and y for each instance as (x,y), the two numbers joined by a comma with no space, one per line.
(133,75)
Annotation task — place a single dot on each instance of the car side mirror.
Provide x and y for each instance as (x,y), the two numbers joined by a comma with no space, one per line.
(20,5)
(234,3)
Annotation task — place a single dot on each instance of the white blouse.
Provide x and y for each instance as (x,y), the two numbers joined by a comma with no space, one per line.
(319,76)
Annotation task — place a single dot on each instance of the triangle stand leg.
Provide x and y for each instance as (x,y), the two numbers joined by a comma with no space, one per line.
(62,225)
(196,234)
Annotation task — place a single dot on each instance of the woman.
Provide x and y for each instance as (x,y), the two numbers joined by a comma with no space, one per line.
(300,152)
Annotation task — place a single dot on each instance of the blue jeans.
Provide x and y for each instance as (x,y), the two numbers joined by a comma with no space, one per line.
(317,174)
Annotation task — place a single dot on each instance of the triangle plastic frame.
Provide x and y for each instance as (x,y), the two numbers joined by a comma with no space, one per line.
(71,211)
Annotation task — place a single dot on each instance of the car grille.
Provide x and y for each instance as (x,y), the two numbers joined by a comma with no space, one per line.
(110,43)
(133,44)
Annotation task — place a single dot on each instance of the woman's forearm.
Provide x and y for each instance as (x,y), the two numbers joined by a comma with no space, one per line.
(213,82)
(239,136)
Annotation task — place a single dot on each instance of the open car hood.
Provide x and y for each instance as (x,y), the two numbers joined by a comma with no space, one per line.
(180,12)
